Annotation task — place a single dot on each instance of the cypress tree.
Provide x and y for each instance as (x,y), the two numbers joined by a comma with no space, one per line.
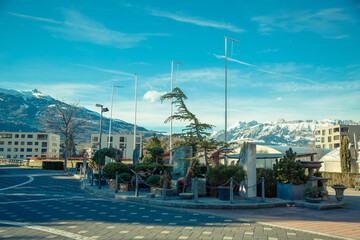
(345,155)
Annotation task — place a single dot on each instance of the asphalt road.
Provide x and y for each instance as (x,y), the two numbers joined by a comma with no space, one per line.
(39,204)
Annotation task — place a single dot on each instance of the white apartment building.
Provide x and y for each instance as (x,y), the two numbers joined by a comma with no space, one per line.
(20,145)
(118,141)
(331,137)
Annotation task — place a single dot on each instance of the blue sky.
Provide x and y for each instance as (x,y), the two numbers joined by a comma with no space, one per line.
(294,59)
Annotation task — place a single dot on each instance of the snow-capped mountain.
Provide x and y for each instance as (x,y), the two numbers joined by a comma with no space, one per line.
(23,111)
(281,132)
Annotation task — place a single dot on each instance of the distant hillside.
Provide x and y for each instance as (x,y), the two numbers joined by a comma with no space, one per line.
(23,111)
(281,132)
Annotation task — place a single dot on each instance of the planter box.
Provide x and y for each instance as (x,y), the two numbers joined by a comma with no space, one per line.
(290,191)
(224,193)
(159,191)
(123,187)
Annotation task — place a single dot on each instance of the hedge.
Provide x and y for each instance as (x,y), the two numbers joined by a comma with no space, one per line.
(346,179)
(53,165)
(270,182)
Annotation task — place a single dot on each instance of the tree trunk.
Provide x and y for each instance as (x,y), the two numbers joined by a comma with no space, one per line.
(206,159)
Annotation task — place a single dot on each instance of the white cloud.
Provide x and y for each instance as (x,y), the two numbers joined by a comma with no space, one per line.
(107,70)
(77,27)
(196,20)
(152,96)
(327,22)
(279,99)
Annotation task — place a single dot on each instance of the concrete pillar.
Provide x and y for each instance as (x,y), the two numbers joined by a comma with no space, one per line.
(251,169)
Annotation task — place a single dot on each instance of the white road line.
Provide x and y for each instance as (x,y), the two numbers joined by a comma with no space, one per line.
(19,185)
(41,200)
(46,229)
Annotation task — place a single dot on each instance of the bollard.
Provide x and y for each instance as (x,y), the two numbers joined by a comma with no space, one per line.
(137,185)
(92,177)
(116,182)
(164,188)
(231,191)
(88,174)
(196,190)
(263,189)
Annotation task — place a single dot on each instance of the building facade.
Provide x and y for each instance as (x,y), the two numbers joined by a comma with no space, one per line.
(330,137)
(118,141)
(20,145)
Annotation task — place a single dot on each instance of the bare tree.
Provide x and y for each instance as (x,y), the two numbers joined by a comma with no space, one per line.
(62,118)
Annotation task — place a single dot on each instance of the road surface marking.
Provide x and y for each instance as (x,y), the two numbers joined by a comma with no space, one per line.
(46,229)
(19,185)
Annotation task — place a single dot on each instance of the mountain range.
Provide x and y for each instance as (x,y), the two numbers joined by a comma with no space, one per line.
(24,111)
(281,132)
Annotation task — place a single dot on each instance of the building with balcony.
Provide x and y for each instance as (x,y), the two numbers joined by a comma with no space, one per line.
(330,137)
(20,145)
(118,141)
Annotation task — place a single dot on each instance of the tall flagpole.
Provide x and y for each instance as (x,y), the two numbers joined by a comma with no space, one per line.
(136,79)
(111,109)
(171,109)
(226,38)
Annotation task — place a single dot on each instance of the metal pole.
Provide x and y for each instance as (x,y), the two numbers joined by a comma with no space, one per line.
(171,111)
(196,190)
(164,188)
(112,96)
(92,177)
(231,191)
(225,94)
(262,189)
(100,146)
(116,182)
(136,79)
(137,185)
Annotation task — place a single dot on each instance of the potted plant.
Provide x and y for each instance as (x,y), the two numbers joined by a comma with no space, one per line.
(339,191)
(313,194)
(153,181)
(290,176)
(109,172)
(124,180)
(220,175)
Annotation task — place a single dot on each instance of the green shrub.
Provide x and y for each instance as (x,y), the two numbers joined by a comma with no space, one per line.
(270,182)
(153,180)
(110,169)
(149,166)
(167,182)
(125,177)
(53,165)
(287,170)
(109,152)
(220,174)
(346,179)
(199,169)
(312,192)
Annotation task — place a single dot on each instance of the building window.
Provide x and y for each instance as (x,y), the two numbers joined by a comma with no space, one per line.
(322,139)
(43,150)
(9,149)
(15,156)
(22,149)
(324,146)
(29,150)
(317,140)
(16,135)
(323,132)
(95,139)
(337,137)
(44,144)
(8,156)
(9,142)
(336,130)
(317,132)
(22,135)
(344,129)
(330,131)
(36,149)
(2,142)
(29,143)
(138,146)
(16,143)
(42,136)
(330,146)
(21,156)
(54,144)
(30,136)
(36,143)
(122,139)
(329,139)
(1,149)
(5,135)
(318,146)
(16,149)
(22,143)
(137,139)
(122,145)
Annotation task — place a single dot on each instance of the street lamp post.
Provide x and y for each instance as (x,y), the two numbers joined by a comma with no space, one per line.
(111,109)
(171,110)
(135,106)
(101,114)
(226,38)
